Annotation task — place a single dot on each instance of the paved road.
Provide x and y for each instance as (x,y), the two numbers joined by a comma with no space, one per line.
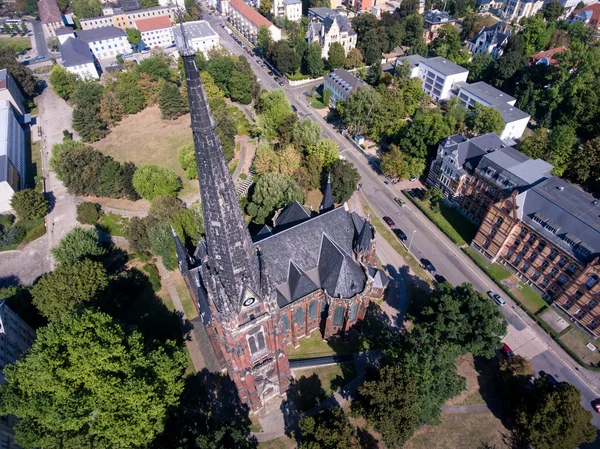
(40,39)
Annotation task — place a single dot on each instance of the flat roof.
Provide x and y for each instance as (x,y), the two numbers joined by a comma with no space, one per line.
(444,66)
(413,60)
(486,92)
(510,113)
(196,30)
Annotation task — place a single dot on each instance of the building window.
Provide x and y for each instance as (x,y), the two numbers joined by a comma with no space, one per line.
(518,260)
(536,275)
(573,268)
(499,221)
(517,243)
(524,251)
(553,272)
(578,294)
(593,324)
(553,254)
(252,345)
(353,311)
(592,303)
(299,315)
(579,315)
(285,323)
(532,239)
(544,282)
(541,246)
(562,279)
(591,281)
(312,309)
(544,265)
(338,316)
(525,267)
(563,261)
(523,233)
(532,257)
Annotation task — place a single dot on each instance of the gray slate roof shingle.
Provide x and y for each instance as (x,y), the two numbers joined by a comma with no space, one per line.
(75,52)
(291,215)
(444,66)
(98,34)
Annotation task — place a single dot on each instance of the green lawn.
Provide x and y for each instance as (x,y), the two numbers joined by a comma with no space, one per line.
(577,341)
(316,101)
(34,163)
(315,346)
(113,224)
(17,43)
(450,221)
(530,299)
(332,377)
(497,272)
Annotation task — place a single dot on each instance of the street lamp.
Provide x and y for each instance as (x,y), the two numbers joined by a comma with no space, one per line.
(411,239)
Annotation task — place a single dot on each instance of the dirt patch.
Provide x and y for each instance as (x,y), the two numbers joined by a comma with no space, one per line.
(140,207)
(466,368)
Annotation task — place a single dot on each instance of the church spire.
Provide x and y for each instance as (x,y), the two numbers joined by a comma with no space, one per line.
(231,256)
(327,203)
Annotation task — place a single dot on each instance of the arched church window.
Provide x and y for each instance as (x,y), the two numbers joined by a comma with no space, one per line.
(261,340)
(299,315)
(285,322)
(338,316)
(252,345)
(312,309)
(353,312)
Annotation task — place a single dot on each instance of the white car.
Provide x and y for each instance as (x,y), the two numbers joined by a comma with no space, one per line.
(496,297)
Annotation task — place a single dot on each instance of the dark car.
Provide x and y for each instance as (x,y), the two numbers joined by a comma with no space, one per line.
(550,378)
(281,83)
(400,234)
(389,221)
(276,78)
(440,279)
(427,265)
(270,73)
(294,108)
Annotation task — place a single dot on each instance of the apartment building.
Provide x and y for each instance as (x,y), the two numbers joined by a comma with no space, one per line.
(490,40)
(434,20)
(328,26)
(106,42)
(199,34)
(126,19)
(9,90)
(549,236)
(590,15)
(482,93)
(247,21)
(515,10)
(156,32)
(413,61)
(440,77)
(341,83)
(292,10)
(77,58)
(12,154)
(50,17)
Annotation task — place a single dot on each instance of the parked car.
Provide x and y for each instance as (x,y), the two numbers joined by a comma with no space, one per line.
(258,61)
(250,53)
(400,201)
(507,351)
(427,265)
(413,179)
(40,57)
(496,297)
(440,279)
(389,221)
(281,83)
(294,108)
(550,378)
(276,79)
(596,405)
(263,66)
(400,234)
(270,73)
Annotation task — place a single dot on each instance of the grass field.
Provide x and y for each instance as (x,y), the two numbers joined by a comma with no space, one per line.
(315,346)
(278,443)
(497,272)
(314,198)
(530,299)
(17,43)
(184,295)
(113,224)
(577,341)
(34,163)
(333,377)
(145,138)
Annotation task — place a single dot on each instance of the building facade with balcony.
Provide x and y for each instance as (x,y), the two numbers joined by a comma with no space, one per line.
(549,236)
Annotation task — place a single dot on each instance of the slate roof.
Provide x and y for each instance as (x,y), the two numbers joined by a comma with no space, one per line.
(436,17)
(342,22)
(322,249)
(364,238)
(321,13)
(575,215)
(291,215)
(75,52)
(64,30)
(444,66)
(102,33)
(327,202)
(380,279)
(486,93)
(345,80)
(497,34)
(468,152)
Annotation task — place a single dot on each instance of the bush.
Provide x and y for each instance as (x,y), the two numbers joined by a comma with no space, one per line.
(6,220)
(153,275)
(29,204)
(151,181)
(77,245)
(12,236)
(88,213)
(35,233)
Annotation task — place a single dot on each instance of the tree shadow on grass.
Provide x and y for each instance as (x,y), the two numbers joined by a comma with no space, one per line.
(306,392)
(367,441)
(210,415)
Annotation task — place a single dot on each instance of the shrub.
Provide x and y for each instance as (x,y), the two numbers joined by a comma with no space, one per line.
(151,181)
(29,204)
(12,236)
(154,276)
(77,245)
(88,213)
(6,220)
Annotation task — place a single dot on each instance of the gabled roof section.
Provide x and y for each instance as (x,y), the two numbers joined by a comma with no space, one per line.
(250,14)
(153,23)
(299,283)
(291,215)
(49,12)
(364,239)
(380,279)
(327,202)
(98,34)
(340,275)
(75,52)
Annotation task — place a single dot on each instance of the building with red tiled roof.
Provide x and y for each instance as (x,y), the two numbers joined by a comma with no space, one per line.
(590,15)
(50,17)
(547,57)
(156,32)
(247,21)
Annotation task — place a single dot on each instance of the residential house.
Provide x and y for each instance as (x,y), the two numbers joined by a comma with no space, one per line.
(549,236)
(247,21)
(341,83)
(414,61)
(440,76)
(124,19)
(490,40)
(515,10)
(482,93)
(570,5)
(156,32)
(12,154)
(590,15)
(377,10)
(434,20)
(546,57)
(16,337)
(488,5)
(328,26)
(50,17)
(199,34)
(292,10)
(10,90)
(106,42)
(77,58)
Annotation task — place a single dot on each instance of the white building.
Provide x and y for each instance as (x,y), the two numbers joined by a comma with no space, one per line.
(490,40)
(200,35)
(377,10)
(440,76)
(247,21)
(292,10)
(328,26)
(12,155)
(9,90)
(414,61)
(126,19)
(341,83)
(63,33)
(106,42)
(77,58)
(515,10)
(482,93)
(156,32)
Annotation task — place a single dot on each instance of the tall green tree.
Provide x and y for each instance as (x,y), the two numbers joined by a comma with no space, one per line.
(552,10)
(172,104)
(23,74)
(485,119)
(29,204)
(263,36)
(160,238)
(71,284)
(326,149)
(88,123)
(396,164)
(336,57)
(344,179)
(586,166)
(272,191)
(560,147)
(84,9)
(77,245)
(481,67)
(272,108)
(62,82)
(329,429)
(134,37)
(353,59)
(130,94)
(151,181)
(313,60)
(88,381)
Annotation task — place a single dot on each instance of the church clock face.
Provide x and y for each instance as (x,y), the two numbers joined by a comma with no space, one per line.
(248,302)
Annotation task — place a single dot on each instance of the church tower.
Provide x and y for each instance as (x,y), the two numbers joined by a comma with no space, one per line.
(233,282)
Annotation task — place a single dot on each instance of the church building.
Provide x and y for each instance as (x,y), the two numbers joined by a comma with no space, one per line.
(307,273)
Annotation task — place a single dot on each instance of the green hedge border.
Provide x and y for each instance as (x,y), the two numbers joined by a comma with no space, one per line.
(470,252)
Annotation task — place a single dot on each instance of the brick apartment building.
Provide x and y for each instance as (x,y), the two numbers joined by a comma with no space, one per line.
(540,227)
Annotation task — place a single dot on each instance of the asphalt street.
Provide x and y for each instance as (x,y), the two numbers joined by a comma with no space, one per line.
(525,335)
(40,39)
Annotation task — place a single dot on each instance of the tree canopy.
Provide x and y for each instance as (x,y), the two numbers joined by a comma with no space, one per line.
(78,244)
(272,191)
(29,204)
(151,181)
